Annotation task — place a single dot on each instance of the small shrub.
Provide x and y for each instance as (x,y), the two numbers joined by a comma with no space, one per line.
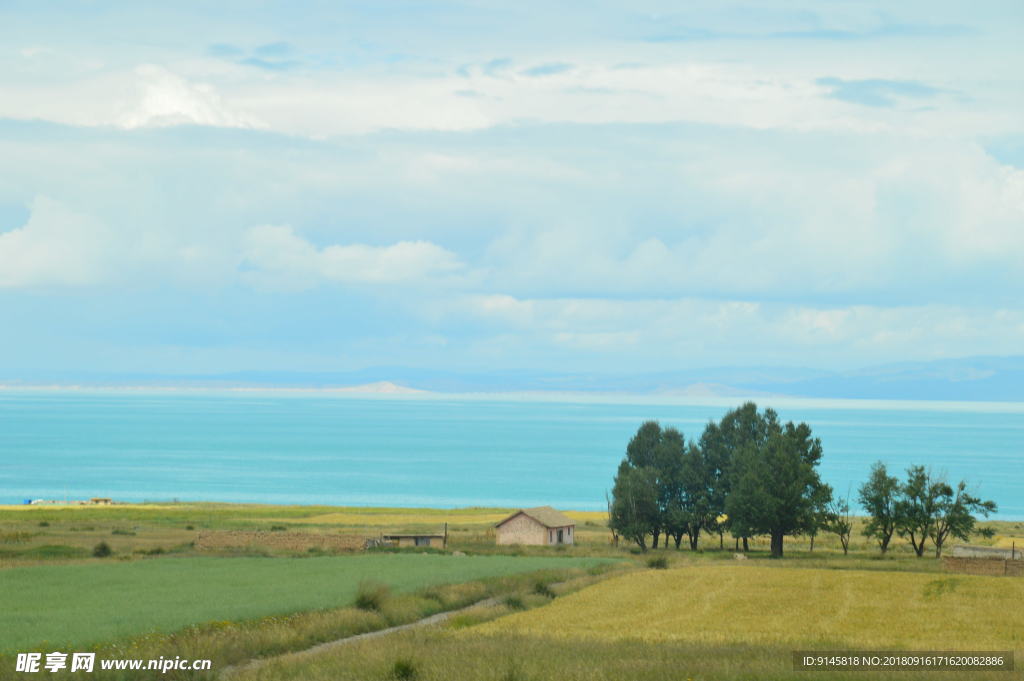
(43,523)
(102,550)
(404,669)
(119,530)
(372,595)
(515,603)
(542,589)
(190,527)
(658,563)
(278,528)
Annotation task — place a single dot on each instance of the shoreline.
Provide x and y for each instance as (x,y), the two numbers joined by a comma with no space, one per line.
(388,391)
(581,514)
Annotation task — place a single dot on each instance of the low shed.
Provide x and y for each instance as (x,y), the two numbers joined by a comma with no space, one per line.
(540,526)
(436,541)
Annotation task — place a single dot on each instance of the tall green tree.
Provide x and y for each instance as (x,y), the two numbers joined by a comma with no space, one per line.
(661,459)
(819,514)
(956,509)
(668,463)
(642,452)
(697,498)
(879,497)
(918,506)
(775,484)
(720,444)
(634,508)
(839,521)
(642,448)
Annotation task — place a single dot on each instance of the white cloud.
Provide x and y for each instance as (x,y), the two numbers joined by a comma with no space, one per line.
(167,99)
(737,332)
(887,215)
(275,256)
(57,246)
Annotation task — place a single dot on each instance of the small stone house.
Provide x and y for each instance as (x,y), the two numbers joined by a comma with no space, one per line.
(540,526)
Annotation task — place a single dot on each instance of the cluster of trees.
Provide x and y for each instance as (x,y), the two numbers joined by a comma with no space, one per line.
(750,475)
(924,507)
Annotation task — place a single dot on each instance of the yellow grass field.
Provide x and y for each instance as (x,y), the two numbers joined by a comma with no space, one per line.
(755,605)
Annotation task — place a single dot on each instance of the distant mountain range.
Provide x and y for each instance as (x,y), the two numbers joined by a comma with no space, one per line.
(965,379)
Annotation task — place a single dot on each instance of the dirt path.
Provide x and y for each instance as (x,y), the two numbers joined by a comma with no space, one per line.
(229,672)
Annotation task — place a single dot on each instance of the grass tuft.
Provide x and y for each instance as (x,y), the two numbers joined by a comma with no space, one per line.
(541,588)
(404,669)
(372,595)
(515,602)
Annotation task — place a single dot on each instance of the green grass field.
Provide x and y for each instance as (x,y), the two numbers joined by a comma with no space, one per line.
(77,605)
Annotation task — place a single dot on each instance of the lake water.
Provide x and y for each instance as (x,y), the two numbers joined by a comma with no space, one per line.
(312,449)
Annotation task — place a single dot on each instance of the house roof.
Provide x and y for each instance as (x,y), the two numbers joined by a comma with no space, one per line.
(545,515)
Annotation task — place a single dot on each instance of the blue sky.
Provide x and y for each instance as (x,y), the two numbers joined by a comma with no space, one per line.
(469,185)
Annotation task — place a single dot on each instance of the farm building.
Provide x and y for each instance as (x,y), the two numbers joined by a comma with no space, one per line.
(540,526)
(437,541)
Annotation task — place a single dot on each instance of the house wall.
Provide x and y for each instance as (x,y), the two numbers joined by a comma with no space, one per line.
(568,535)
(435,542)
(522,530)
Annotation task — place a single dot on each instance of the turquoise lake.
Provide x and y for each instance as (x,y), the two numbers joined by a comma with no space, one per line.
(302,449)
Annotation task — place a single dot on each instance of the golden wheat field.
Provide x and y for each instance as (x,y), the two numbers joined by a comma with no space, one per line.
(767,605)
